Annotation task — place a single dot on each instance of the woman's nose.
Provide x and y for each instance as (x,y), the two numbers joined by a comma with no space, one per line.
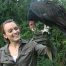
(14,31)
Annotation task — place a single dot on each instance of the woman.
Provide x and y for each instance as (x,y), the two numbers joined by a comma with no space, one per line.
(18,52)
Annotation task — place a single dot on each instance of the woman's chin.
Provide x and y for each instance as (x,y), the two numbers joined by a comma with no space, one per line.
(16,39)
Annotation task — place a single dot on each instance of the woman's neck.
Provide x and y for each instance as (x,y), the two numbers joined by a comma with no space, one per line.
(13,48)
(15,44)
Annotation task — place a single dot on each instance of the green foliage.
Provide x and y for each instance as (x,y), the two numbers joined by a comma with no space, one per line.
(26,33)
(13,9)
(43,61)
(1,40)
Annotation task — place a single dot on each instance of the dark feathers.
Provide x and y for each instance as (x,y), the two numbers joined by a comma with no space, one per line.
(50,14)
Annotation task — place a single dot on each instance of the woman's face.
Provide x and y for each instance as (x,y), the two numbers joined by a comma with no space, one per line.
(12,32)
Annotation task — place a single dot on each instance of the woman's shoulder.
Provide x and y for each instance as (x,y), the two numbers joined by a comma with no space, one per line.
(30,43)
(24,41)
(3,48)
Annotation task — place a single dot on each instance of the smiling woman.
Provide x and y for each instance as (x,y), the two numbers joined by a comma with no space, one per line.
(10,30)
(19,52)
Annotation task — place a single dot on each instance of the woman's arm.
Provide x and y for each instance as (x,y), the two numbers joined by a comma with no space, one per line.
(42,50)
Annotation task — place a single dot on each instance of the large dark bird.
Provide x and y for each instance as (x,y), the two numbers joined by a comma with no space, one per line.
(49,13)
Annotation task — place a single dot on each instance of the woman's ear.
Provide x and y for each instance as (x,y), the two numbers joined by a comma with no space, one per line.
(4,36)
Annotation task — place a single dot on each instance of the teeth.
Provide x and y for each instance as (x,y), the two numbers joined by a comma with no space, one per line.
(16,35)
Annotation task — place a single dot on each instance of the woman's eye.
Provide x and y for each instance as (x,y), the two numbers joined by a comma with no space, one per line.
(16,28)
(10,31)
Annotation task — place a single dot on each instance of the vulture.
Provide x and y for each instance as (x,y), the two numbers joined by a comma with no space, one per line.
(48,13)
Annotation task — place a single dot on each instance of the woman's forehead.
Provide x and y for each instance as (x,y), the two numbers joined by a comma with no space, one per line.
(9,25)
